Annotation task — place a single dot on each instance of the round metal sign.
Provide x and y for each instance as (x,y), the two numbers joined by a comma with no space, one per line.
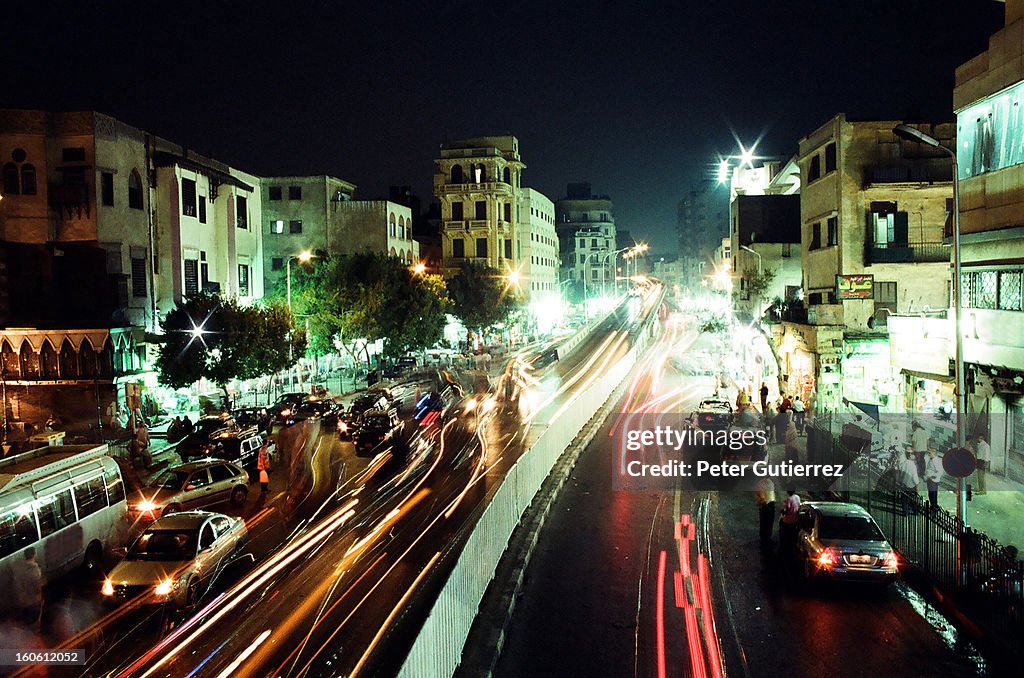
(959,462)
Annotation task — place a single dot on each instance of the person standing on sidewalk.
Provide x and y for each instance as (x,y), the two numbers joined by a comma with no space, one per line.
(764,398)
(27,582)
(933,473)
(790,442)
(919,444)
(788,522)
(764,497)
(263,466)
(983,455)
(799,414)
(907,479)
(781,424)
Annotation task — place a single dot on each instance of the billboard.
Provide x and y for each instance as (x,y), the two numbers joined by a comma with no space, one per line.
(855,287)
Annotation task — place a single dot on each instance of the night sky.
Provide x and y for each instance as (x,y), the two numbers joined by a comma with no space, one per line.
(639,100)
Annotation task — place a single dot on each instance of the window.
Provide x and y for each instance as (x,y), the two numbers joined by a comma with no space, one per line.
(204,271)
(220,473)
(202,209)
(207,537)
(481,209)
(507,175)
(28,179)
(188,197)
(16,532)
(833,231)
(830,158)
(107,188)
(593,243)
(814,169)
(200,478)
(1010,290)
(456,174)
(134,191)
(277,263)
(458,248)
(273,193)
(76,154)
(787,249)
(55,512)
(583,243)
(115,486)
(481,248)
(295,226)
(457,210)
(277,226)
(508,249)
(593,273)
(90,496)
(241,211)
(508,211)
(138,277)
(191,277)
(985,289)
(583,259)
(885,298)
(243,280)
(11,184)
(815,236)
(295,192)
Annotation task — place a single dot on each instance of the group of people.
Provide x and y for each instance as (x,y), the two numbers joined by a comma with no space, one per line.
(921,462)
(179,428)
(764,498)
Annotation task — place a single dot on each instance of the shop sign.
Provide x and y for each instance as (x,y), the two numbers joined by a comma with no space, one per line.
(855,287)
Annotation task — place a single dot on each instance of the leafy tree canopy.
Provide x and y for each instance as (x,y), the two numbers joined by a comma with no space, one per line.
(210,337)
(481,297)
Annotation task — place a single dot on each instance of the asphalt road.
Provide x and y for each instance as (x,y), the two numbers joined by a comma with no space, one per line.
(673,582)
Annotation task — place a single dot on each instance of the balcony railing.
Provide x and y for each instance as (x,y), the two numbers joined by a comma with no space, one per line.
(929,172)
(468,186)
(900,253)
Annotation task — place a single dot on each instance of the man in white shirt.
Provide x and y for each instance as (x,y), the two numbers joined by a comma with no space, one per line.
(933,473)
(919,444)
(799,412)
(907,479)
(983,455)
(788,523)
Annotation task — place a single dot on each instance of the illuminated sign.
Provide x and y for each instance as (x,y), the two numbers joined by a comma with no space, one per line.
(855,287)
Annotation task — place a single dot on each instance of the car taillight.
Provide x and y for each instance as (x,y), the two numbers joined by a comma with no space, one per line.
(891,561)
(827,558)
(286,412)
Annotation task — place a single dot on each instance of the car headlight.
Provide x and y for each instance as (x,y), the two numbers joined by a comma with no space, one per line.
(146,506)
(168,585)
(342,426)
(108,588)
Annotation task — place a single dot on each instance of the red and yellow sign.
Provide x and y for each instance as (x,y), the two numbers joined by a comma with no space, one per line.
(855,287)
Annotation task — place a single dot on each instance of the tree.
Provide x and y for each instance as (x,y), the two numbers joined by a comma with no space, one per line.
(214,338)
(760,284)
(481,297)
(353,301)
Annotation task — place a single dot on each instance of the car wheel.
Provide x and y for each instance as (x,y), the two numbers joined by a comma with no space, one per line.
(93,557)
(238,495)
(169,509)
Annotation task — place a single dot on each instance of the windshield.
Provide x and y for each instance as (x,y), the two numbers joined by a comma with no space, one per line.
(208,426)
(173,480)
(364,403)
(376,422)
(851,528)
(167,545)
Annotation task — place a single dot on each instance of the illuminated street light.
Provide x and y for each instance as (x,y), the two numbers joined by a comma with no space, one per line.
(913,134)
(303,257)
(723,171)
(419,269)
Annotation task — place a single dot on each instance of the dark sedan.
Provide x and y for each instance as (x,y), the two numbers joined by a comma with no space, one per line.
(311,409)
(378,427)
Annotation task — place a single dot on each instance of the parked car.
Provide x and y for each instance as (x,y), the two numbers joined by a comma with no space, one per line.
(285,404)
(177,559)
(241,447)
(713,414)
(199,442)
(260,417)
(837,540)
(194,485)
(350,420)
(324,409)
(378,427)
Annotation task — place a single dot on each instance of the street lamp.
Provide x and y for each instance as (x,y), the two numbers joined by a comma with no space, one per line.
(304,257)
(419,269)
(914,134)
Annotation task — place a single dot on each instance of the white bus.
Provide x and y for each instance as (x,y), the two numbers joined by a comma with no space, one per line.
(66,502)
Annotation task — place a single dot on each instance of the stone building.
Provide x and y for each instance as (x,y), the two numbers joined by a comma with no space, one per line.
(585,224)
(375,226)
(873,209)
(538,245)
(477,184)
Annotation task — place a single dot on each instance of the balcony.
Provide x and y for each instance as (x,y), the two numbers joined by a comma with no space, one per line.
(70,200)
(925,172)
(483,187)
(906,253)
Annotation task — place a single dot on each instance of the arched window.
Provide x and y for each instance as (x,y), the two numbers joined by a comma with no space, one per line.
(29,361)
(134,190)
(11,179)
(9,362)
(68,361)
(48,361)
(479,175)
(456,174)
(391,224)
(88,361)
(508,176)
(28,179)
(107,360)
(393,253)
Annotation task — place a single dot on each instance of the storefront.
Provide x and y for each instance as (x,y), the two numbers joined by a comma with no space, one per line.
(869,376)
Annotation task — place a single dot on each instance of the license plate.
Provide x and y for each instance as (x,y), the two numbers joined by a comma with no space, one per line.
(860,560)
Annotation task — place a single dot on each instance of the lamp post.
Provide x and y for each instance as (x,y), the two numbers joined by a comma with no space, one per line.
(304,257)
(756,254)
(615,278)
(914,134)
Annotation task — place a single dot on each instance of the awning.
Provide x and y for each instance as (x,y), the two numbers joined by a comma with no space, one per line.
(926,375)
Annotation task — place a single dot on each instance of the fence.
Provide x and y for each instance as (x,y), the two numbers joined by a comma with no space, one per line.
(990,578)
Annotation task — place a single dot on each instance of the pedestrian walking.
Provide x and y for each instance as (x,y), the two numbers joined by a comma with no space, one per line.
(764,398)
(790,443)
(788,523)
(263,466)
(799,414)
(786,403)
(983,455)
(781,424)
(27,584)
(919,444)
(142,444)
(933,473)
(764,498)
(908,479)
